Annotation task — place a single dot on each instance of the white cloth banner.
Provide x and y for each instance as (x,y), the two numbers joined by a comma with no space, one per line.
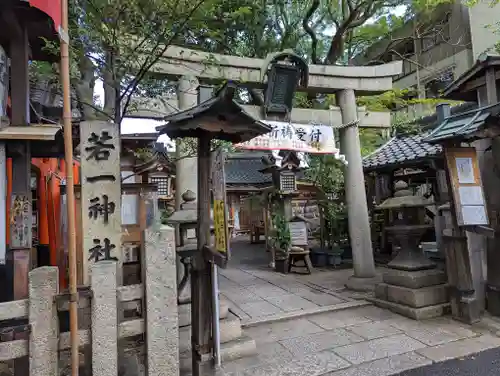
(308,138)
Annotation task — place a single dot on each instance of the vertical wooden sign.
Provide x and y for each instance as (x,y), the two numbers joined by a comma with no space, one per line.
(101,193)
(465,178)
(219,203)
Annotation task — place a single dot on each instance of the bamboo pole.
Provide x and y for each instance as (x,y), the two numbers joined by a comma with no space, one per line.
(70,188)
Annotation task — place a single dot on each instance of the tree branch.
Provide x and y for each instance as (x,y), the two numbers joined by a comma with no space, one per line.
(305,24)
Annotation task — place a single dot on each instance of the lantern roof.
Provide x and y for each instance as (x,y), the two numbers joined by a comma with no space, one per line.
(220,116)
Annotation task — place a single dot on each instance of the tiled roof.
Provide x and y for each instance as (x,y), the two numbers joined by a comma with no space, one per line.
(463,125)
(399,151)
(245,169)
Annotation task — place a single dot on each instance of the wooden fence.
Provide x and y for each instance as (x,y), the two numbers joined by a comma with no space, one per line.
(105,302)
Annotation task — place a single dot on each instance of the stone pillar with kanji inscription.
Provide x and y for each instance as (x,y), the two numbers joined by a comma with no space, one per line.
(101,194)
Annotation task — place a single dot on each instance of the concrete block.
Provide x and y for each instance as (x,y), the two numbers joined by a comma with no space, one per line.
(415,279)
(413,313)
(417,298)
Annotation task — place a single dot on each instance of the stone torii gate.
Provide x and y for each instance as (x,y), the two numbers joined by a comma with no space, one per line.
(190,67)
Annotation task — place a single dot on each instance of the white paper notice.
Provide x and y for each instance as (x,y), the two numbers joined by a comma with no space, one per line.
(474,215)
(471,195)
(465,170)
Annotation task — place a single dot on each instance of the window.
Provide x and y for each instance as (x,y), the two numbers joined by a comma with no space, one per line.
(162,183)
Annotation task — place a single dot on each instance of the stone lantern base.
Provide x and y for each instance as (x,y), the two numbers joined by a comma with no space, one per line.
(420,294)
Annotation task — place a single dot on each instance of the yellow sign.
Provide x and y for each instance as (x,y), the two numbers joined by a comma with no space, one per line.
(220,226)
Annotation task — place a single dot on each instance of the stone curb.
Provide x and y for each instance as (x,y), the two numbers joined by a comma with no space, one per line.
(303,313)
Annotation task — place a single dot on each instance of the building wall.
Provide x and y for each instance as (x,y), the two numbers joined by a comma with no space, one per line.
(459,62)
(483,24)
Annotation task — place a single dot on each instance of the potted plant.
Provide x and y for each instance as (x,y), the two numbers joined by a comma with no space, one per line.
(336,255)
(282,243)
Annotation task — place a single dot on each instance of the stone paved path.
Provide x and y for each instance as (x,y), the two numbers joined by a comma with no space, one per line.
(356,342)
(253,290)
(366,341)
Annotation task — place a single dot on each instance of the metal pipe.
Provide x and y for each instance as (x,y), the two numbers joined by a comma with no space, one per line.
(70,187)
(215,316)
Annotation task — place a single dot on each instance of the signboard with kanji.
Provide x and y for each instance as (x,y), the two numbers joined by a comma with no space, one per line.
(316,139)
(101,192)
(219,203)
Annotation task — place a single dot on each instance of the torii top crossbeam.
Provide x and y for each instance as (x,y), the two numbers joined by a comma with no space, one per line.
(178,61)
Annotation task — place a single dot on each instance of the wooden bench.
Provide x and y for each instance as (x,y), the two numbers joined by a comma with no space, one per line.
(256,232)
(299,254)
(299,251)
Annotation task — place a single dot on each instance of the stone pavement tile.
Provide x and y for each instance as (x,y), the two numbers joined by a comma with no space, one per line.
(253,282)
(267,290)
(319,298)
(374,330)
(338,319)
(458,349)
(378,348)
(237,275)
(433,332)
(289,303)
(259,309)
(311,365)
(235,309)
(277,331)
(320,341)
(386,366)
(377,314)
(266,353)
(241,296)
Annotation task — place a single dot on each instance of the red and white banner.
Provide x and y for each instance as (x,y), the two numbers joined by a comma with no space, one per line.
(52,8)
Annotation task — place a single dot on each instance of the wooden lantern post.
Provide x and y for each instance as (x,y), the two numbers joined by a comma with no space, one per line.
(220,117)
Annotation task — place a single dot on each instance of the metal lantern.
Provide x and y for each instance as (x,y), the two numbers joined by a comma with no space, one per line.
(281,85)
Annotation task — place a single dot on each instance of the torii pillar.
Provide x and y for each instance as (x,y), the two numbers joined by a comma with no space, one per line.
(364,276)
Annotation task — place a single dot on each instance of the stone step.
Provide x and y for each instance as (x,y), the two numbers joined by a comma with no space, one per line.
(185,313)
(236,349)
(230,330)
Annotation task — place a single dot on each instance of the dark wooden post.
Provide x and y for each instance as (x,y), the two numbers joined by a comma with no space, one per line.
(20,230)
(201,281)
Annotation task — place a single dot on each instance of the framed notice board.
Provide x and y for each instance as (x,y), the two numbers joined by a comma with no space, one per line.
(466,185)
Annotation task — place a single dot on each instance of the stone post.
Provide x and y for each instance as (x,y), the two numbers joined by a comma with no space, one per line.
(359,224)
(103,280)
(43,354)
(161,317)
(186,168)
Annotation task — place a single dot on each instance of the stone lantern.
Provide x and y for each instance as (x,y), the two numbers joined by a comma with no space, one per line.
(412,286)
